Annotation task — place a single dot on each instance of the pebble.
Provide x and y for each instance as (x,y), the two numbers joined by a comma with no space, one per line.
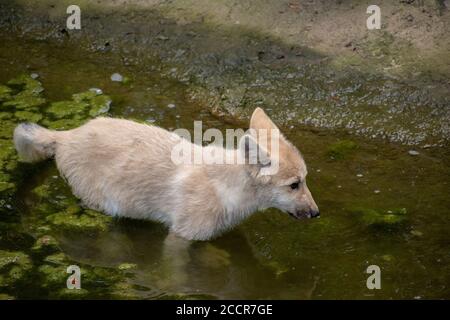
(34,75)
(359,175)
(171,106)
(96,90)
(117,77)
(416,233)
(413,152)
(376,191)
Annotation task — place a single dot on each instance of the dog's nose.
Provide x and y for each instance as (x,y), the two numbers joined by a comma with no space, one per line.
(314,213)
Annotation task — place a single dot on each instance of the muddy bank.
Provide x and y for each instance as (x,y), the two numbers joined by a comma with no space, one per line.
(308,63)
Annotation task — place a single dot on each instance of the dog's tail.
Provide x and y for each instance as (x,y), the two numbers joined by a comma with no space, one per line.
(34,143)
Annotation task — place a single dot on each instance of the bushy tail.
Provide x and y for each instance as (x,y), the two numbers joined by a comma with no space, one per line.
(33,142)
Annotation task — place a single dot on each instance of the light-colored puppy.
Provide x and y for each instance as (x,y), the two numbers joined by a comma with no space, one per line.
(125,169)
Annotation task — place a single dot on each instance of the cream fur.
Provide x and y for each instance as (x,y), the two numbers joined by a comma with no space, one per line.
(124,168)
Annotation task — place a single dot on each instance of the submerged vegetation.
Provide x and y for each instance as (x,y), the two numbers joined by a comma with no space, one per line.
(40,259)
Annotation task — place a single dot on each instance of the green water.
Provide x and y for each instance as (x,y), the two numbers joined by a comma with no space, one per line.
(379,205)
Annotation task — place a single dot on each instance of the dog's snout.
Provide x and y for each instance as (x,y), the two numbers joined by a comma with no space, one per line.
(314,213)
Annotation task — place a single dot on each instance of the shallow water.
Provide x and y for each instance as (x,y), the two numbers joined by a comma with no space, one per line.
(379,205)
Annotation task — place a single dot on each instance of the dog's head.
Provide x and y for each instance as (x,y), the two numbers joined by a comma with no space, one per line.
(284,188)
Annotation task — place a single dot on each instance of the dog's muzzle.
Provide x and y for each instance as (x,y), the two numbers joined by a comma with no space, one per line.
(305,214)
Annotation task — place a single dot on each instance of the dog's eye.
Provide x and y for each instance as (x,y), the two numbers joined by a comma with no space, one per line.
(294,185)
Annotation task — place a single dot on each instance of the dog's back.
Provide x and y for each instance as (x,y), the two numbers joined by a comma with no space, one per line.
(108,162)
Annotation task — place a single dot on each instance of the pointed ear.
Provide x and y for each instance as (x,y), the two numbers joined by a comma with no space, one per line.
(260,120)
(252,152)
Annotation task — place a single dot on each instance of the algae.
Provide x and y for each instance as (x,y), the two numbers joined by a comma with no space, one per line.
(341,149)
(88,221)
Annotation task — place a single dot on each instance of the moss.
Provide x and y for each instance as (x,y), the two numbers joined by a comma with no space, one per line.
(99,105)
(5,93)
(25,100)
(73,293)
(127,266)
(88,221)
(30,95)
(42,191)
(28,116)
(27,83)
(62,124)
(45,245)
(84,96)
(6,184)
(67,109)
(372,217)
(341,149)
(7,129)
(59,259)
(53,276)
(14,267)
(5,115)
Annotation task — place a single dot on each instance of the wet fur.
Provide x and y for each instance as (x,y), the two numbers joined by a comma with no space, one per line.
(124,168)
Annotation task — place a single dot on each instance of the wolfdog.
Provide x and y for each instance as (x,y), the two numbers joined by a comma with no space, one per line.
(124,169)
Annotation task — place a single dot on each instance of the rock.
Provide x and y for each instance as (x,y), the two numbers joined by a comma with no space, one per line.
(116,77)
(171,106)
(413,152)
(34,75)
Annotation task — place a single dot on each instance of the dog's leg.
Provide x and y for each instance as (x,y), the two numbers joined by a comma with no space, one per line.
(175,258)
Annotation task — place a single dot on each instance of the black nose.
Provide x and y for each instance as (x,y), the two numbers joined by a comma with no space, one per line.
(314,214)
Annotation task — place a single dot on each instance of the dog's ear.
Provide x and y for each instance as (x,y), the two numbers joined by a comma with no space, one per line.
(262,127)
(252,152)
(260,120)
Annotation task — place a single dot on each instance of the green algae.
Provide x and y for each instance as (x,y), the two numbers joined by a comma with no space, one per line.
(66,109)
(42,191)
(377,218)
(29,97)
(341,149)
(99,105)
(45,245)
(5,115)
(63,124)
(5,93)
(28,116)
(14,267)
(88,221)
(127,266)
